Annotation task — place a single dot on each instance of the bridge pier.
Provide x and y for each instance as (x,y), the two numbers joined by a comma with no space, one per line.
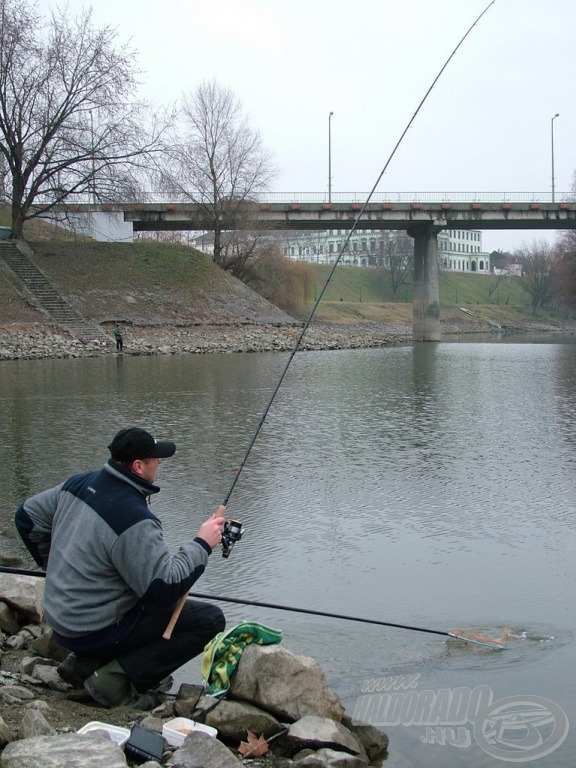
(426,307)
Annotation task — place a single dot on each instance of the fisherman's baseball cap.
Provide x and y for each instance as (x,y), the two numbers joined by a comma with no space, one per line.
(135,443)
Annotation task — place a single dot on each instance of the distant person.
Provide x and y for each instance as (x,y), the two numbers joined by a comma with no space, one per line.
(119,339)
(111,582)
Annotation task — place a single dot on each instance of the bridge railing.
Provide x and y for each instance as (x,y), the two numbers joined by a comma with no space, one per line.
(377,197)
(416,197)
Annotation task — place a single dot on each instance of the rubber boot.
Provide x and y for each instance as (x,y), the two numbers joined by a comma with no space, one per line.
(110,685)
(76,668)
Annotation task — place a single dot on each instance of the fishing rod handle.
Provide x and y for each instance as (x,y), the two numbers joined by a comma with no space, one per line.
(220,512)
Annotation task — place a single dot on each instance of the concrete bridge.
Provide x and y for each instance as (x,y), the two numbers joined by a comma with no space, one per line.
(421,218)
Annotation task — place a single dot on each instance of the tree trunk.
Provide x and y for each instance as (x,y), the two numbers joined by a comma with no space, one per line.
(17,217)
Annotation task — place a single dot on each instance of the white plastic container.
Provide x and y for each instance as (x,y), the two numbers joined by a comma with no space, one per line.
(117,734)
(176,730)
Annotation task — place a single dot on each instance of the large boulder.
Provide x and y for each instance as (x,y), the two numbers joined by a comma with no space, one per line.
(286,685)
(23,594)
(312,732)
(201,749)
(70,750)
(233,719)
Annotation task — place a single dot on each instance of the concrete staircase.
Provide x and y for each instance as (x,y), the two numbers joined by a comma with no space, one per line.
(34,284)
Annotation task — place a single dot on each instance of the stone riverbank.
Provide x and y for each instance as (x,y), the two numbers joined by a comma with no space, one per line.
(279,711)
(35,341)
(30,341)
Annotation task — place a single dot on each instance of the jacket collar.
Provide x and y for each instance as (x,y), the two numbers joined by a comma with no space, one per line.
(139,483)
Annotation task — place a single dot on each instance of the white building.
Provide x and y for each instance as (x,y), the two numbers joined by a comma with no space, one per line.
(458,250)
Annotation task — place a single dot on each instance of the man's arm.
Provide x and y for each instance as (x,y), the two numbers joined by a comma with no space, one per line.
(33,521)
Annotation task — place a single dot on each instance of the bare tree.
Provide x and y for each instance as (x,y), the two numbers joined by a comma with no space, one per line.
(70,127)
(219,162)
(539,269)
(565,247)
(287,284)
(397,255)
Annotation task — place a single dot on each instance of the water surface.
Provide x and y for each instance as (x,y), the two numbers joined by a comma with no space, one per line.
(431,485)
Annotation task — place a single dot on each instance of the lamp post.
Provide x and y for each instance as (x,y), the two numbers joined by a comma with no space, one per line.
(552,149)
(330,157)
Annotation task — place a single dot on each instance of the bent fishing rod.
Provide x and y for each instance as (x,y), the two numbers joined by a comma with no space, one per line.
(306,325)
(233,530)
(453,633)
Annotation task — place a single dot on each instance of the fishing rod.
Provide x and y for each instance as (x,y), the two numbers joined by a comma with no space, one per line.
(337,261)
(453,633)
(233,530)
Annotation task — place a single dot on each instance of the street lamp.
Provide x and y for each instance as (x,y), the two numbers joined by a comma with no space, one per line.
(552,147)
(330,157)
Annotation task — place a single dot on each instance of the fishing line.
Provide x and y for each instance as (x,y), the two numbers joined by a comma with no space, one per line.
(344,246)
(456,634)
(295,348)
(222,509)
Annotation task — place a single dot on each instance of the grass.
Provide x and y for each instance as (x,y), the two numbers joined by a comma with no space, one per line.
(355,294)
(126,266)
(365,293)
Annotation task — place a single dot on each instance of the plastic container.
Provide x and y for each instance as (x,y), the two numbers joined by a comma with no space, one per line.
(176,730)
(5,233)
(117,734)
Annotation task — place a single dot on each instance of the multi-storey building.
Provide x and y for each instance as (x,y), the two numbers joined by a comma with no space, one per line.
(458,250)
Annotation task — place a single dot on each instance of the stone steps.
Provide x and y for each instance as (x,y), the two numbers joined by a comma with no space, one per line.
(17,259)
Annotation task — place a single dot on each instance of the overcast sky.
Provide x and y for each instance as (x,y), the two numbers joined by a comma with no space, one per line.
(485,127)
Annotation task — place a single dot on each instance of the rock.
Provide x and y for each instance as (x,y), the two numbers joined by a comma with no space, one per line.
(190,692)
(330,757)
(200,749)
(28,664)
(152,723)
(375,742)
(23,593)
(17,642)
(286,685)
(233,719)
(48,648)
(34,724)
(10,694)
(8,622)
(71,750)
(318,732)
(49,676)
(5,735)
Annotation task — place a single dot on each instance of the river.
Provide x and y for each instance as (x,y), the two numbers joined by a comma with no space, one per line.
(430,485)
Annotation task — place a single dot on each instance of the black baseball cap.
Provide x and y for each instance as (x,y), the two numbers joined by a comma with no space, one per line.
(135,443)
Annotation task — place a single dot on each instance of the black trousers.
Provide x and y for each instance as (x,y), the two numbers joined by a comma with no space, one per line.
(147,658)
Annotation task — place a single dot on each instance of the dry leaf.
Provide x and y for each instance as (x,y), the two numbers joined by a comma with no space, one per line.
(255,746)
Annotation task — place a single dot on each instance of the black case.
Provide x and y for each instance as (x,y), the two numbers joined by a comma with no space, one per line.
(144,745)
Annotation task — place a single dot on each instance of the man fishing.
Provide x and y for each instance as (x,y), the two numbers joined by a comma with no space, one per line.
(111,584)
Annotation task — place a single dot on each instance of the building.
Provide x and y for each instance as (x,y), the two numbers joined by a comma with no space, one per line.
(458,250)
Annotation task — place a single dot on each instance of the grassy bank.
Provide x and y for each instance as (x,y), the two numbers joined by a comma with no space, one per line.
(151,283)
(360,294)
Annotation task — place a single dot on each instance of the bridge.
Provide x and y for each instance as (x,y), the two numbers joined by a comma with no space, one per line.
(421,216)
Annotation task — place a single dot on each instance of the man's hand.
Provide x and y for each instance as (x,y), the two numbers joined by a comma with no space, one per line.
(211,530)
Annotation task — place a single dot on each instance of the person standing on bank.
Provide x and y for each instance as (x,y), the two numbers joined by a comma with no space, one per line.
(111,584)
(119,339)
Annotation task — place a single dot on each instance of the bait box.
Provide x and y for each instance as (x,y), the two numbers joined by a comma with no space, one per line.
(176,730)
(117,734)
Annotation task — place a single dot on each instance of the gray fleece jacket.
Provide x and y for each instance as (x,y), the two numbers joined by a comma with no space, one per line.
(104,553)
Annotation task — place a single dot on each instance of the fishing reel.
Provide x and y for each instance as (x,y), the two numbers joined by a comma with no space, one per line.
(232,533)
